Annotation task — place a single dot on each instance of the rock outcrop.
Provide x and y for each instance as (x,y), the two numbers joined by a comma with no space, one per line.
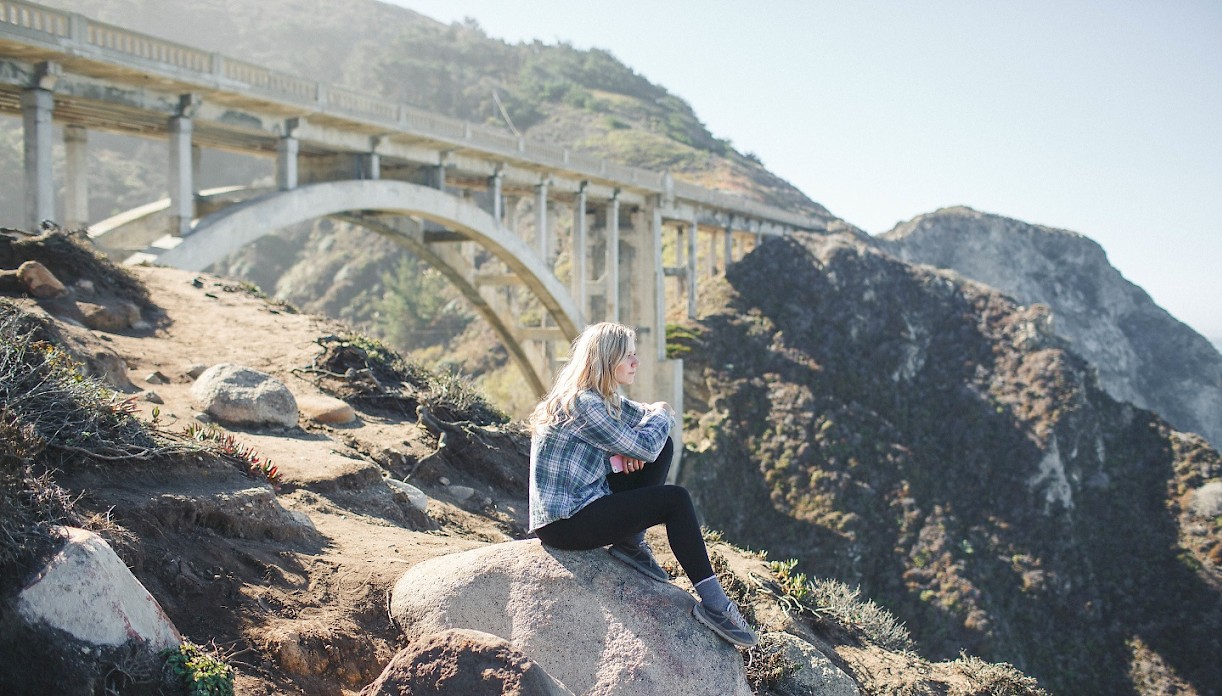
(590,621)
(1143,354)
(922,436)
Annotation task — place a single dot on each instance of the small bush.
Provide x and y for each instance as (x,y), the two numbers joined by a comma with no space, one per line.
(31,505)
(766,665)
(78,418)
(385,378)
(226,445)
(997,679)
(201,673)
(834,600)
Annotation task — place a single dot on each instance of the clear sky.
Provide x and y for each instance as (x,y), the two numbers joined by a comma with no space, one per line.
(1100,117)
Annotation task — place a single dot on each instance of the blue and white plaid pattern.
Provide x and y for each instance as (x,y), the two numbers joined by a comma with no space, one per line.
(570,461)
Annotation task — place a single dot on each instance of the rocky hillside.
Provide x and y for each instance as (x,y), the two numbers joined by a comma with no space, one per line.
(925,437)
(1143,354)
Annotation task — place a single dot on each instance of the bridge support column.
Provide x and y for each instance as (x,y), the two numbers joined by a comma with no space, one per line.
(287,149)
(496,183)
(36,106)
(76,178)
(691,271)
(657,377)
(579,252)
(542,236)
(370,164)
(728,239)
(181,181)
(653,281)
(611,272)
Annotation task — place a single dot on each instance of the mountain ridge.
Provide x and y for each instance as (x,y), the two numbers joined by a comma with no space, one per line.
(1143,354)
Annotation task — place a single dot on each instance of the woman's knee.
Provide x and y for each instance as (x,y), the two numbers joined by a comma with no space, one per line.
(677,496)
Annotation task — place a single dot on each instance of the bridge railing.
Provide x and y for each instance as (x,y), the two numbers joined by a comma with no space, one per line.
(263,80)
(215,70)
(35,18)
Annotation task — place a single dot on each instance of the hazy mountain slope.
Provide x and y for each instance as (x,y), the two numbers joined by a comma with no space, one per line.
(927,438)
(1143,354)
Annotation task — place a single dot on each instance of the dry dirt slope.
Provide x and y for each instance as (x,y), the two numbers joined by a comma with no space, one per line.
(298,600)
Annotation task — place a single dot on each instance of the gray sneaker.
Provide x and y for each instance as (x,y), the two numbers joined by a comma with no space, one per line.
(730,625)
(640,558)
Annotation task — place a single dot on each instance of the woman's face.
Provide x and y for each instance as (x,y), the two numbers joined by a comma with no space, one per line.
(625,369)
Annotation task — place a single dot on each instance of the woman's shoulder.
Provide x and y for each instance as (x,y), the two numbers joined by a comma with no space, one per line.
(588,400)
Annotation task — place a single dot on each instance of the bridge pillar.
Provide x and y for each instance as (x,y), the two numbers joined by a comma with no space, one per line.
(36,106)
(691,270)
(542,236)
(370,167)
(287,149)
(657,377)
(579,251)
(611,271)
(76,178)
(728,239)
(496,183)
(182,167)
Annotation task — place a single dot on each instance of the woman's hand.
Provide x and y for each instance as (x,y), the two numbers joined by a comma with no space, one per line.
(662,406)
(631,465)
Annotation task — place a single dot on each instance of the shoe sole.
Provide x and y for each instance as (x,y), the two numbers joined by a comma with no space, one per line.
(636,566)
(720,633)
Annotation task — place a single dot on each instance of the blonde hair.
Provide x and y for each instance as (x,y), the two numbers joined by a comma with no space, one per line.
(592,360)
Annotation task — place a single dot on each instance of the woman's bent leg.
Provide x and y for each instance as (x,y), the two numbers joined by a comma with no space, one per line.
(611,518)
(652,474)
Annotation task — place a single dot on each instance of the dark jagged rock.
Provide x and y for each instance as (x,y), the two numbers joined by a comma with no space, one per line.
(928,439)
(1143,354)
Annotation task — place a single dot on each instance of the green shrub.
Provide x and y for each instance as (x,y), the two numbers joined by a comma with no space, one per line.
(829,599)
(226,445)
(201,673)
(76,417)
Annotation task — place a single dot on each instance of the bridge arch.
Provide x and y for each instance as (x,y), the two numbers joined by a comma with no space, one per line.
(219,234)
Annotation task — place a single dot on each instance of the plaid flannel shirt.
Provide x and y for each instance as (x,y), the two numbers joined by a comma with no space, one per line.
(569,462)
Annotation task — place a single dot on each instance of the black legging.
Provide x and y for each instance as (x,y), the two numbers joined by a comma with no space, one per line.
(637,502)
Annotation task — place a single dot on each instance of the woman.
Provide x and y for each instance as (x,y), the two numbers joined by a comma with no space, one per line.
(579,502)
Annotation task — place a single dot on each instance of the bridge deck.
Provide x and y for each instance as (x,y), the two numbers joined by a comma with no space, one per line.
(113,79)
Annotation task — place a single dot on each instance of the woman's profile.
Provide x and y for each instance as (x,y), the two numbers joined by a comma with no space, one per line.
(580,500)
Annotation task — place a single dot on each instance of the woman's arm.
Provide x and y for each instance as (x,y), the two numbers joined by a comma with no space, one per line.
(642,439)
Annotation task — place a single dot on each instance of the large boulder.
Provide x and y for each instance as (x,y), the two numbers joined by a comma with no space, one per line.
(238,395)
(460,662)
(592,622)
(87,592)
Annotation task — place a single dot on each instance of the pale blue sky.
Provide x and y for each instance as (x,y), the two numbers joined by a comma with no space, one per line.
(1100,117)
